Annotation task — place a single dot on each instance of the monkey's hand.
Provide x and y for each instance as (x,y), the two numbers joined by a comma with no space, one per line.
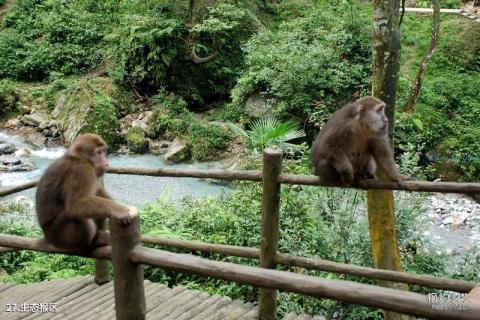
(126,216)
(133,211)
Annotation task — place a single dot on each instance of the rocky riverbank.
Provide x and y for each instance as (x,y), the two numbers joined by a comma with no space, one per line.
(454,222)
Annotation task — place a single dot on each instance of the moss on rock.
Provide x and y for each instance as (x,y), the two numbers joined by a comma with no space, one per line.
(136,140)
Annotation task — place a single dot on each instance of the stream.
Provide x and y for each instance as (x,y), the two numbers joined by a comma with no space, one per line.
(129,189)
(451,222)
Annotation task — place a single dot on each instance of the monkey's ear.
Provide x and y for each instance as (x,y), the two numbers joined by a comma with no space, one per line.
(380,108)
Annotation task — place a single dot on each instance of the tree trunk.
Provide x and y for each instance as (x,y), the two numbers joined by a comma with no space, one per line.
(417,85)
(386,67)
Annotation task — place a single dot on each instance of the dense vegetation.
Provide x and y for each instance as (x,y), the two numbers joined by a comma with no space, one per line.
(324,223)
(215,55)
(197,68)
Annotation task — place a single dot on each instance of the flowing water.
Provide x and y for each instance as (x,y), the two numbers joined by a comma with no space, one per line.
(129,189)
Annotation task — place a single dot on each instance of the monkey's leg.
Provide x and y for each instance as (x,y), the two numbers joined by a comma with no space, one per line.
(102,237)
(326,172)
(71,233)
(344,167)
(94,207)
(371,168)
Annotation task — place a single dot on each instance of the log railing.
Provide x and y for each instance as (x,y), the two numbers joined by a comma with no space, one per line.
(127,253)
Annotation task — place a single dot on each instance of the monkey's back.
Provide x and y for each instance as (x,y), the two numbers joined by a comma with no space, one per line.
(336,134)
(50,195)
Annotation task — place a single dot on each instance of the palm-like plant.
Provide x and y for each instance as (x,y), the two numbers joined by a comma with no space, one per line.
(270,132)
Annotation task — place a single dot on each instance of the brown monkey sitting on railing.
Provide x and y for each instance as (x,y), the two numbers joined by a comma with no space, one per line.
(352,143)
(70,200)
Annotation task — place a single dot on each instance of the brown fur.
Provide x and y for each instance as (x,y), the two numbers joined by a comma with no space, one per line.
(70,200)
(352,143)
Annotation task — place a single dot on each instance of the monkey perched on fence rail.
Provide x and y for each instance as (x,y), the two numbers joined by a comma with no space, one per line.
(70,199)
(352,143)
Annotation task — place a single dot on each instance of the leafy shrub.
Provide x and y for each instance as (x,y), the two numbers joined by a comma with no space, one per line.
(8,95)
(170,117)
(155,53)
(270,132)
(45,36)
(147,48)
(102,118)
(206,140)
(310,63)
(315,222)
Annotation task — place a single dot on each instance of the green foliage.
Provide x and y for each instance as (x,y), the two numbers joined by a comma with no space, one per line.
(147,46)
(171,119)
(270,132)
(45,36)
(8,95)
(445,120)
(102,118)
(155,52)
(313,62)
(325,223)
(444,4)
(51,92)
(136,140)
(29,266)
(206,140)
(170,116)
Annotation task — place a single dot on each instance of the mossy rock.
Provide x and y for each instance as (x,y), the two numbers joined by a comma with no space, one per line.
(136,140)
(88,105)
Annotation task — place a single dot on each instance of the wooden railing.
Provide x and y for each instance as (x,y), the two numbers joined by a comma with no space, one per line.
(128,255)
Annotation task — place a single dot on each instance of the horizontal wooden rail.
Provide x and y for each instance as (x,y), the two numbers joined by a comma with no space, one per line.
(17,242)
(317,264)
(11,243)
(252,175)
(425,186)
(346,291)
(5,191)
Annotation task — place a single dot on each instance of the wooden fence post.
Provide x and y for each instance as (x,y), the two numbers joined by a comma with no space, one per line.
(101,266)
(272,167)
(128,276)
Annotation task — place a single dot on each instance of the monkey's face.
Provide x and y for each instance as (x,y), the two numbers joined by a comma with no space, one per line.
(92,148)
(99,160)
(376,120)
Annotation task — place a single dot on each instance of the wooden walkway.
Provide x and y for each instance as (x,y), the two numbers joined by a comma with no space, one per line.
(81,299)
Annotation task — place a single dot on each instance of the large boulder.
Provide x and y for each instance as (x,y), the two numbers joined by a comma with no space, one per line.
(178,151)
(7,148)
(88,106)
(136,140)
(35,119)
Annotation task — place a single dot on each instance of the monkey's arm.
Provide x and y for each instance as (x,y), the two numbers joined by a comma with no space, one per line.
(383,155)
(101,192)
(81,197)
